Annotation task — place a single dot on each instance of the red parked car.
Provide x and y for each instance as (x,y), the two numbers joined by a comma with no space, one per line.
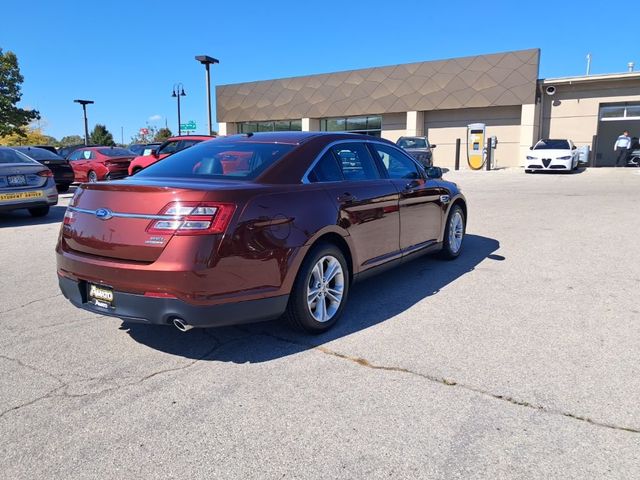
(171,145)
(250,227)
(91,164)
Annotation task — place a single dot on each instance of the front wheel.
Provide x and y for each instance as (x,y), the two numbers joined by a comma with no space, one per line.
(453,233)
(320,290)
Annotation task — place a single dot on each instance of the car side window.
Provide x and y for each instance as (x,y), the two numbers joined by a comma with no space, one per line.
(355,161)
(170,147)
(396,164)
(75,155)
(326,170)
(187,143)
(87,155)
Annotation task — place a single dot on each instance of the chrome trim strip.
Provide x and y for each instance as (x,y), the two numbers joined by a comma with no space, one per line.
(143,216)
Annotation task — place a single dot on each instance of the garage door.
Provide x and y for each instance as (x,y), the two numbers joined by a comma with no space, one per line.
(613,120)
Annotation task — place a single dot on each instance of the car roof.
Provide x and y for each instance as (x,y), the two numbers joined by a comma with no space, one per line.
(192,137)
(27,149)
(296,138)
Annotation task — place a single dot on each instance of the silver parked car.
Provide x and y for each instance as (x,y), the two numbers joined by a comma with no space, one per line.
(25,183)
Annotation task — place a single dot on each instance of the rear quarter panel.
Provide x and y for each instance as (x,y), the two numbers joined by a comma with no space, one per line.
(273,233)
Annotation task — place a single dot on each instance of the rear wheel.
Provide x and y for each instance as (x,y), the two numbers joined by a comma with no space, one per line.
(453,233)
(320,290)
(92,177)
(39,211)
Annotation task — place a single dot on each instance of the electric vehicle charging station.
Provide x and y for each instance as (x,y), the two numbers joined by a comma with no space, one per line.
(476,134)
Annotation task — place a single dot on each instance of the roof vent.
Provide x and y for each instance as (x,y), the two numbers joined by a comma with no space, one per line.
(630,66)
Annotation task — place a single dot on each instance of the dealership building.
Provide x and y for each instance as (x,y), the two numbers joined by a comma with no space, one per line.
(439,99)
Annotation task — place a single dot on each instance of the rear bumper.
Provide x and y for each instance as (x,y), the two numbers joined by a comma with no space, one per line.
(50,198)
(161,311)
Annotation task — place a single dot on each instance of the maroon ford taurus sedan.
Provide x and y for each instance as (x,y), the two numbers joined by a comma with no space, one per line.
(253,227)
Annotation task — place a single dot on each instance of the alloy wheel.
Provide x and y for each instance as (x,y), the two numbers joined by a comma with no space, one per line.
(325,289)
(456,231)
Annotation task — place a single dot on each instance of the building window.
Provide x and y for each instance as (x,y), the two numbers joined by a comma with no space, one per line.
(369,125)
(270,126)
(620,112)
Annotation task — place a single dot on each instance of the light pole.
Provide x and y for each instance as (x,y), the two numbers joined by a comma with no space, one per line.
(207,61)
(178,91)
(84,104)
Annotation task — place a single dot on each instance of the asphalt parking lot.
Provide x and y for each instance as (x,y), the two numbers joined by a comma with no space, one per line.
(520,359)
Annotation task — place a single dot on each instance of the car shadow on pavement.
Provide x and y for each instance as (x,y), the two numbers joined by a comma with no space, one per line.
(371,302)
(22,218)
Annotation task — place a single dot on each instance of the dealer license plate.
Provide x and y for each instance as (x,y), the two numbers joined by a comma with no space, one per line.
(101,296)
(8,197)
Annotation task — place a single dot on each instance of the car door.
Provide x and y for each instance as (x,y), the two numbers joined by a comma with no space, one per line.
(419,198)
(79,165)
(367,203)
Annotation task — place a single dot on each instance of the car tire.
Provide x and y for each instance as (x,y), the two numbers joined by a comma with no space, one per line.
(323,311)
(63,187)
(92,177)
(454,233)
(39,211)
(528,171)
(135,170)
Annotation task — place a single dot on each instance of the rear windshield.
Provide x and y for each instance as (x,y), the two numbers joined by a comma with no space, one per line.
(11,156)
(219,160)
(116,152)
(552,145)
(39,153)
(412,143)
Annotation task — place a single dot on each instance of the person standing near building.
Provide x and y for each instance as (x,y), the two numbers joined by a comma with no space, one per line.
(622,146)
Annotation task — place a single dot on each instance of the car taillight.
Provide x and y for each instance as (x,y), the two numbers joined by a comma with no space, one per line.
(45,173)
(69,217)
(193,218)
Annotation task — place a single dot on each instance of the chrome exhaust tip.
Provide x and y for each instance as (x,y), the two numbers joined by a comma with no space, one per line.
(181,325)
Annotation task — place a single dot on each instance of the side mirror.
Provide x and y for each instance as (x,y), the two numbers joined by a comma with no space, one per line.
(433,146)
(434,172)
(154,152)
(530,148)
(574,147)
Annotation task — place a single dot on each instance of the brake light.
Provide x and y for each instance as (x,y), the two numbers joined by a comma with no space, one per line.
(193,218)
(69,217)
(45,173)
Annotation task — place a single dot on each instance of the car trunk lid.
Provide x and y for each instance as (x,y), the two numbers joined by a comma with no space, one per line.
(111,219)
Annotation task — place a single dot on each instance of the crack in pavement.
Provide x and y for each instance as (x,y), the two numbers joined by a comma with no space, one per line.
(33,369)
(452,383)
(53,392)
(30,303)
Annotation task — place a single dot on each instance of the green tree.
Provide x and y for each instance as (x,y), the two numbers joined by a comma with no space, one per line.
(12,118)
(101,136)
(162,134)
(70,140)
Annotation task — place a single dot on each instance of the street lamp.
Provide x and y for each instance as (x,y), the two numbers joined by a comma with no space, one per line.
(84,104)
(178,91)
(207,61)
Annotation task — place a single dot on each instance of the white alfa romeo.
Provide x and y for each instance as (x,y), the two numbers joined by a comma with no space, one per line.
(552,154)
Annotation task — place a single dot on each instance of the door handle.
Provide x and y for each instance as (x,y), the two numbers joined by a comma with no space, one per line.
(347,198)
(411,187)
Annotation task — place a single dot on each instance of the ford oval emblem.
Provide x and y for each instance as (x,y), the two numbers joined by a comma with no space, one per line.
(104,213)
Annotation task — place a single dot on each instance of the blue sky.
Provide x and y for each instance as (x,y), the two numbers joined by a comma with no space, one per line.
(127,55)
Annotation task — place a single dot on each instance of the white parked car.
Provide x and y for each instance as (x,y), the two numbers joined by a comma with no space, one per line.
(552,154)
